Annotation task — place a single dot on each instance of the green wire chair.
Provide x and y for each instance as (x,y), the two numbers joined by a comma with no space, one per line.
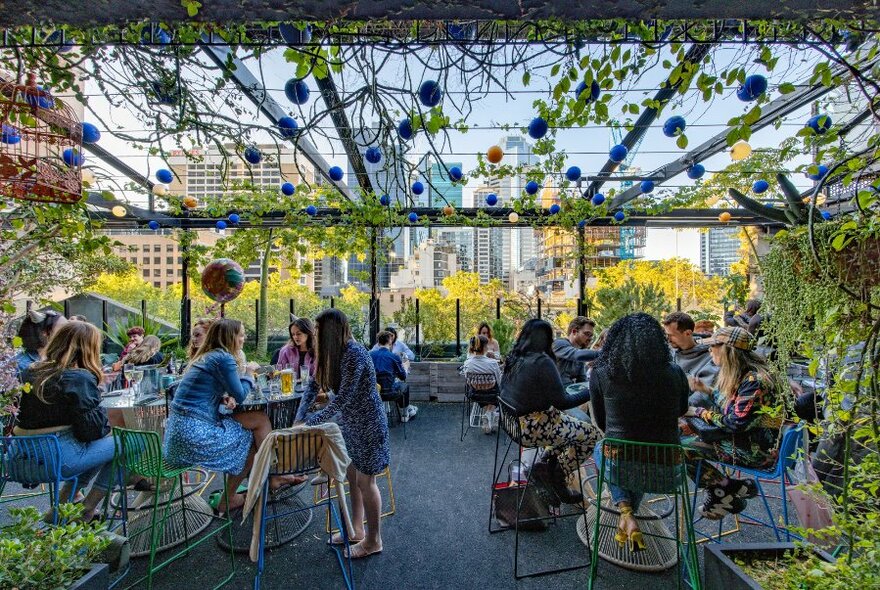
(140,452)
(649,468)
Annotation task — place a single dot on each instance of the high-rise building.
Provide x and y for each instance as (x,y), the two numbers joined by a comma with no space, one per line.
(440,189)
(491,245)
(719,248)
(523,242)
(427,267)
(156,254)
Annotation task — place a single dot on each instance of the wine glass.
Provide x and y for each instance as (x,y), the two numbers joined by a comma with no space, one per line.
(134,377)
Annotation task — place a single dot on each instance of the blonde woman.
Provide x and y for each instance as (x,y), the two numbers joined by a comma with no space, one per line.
(146,353)
(65,400)
(197,335)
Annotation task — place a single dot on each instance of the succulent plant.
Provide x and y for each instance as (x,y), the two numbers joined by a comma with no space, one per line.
(793,214)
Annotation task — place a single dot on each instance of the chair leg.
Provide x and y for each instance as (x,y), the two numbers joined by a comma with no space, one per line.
(496,473)
(183,511)
(594,558)
(767,509)
(261,551)
(465,423)
(154,532)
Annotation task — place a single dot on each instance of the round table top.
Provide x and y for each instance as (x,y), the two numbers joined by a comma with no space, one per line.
(119,400)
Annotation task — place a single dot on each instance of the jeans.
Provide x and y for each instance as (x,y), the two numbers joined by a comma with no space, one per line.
(618,494)
(87,459)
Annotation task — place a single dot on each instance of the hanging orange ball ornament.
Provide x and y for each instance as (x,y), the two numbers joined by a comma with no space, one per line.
(494,154)
(724,217)
(190,202)
(448,210)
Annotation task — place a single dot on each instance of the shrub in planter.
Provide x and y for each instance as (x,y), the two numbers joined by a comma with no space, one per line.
(38,557)
(768,566)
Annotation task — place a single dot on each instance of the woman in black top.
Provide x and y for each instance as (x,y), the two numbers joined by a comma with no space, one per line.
(64,400)
(638,394)
(532,386)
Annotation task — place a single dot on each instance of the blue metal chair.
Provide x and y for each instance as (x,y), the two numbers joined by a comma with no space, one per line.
(792,439)
(297,454)
(35,460)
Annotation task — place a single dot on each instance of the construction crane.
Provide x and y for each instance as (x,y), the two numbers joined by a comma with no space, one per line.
(627,248)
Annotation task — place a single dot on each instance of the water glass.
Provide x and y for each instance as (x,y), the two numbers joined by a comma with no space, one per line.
(304,375)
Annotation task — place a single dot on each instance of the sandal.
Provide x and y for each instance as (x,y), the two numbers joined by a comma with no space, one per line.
(357,552)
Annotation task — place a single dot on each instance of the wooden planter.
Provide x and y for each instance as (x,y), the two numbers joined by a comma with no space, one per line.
(722,573)
(97,578)
(435,381)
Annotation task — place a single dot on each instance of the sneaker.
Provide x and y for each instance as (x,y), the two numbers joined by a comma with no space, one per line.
(486,423)
(721,501)
(411,411)
(404,414)
(494,417)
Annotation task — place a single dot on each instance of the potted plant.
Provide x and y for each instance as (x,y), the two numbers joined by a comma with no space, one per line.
(34,556)
(753,566)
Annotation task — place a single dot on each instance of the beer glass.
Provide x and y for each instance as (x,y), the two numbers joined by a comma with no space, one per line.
(286,382)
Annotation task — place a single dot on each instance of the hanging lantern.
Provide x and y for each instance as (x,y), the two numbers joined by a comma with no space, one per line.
(740,151)
(513,217)
(118,211)
(32,168)
(88,178)
(160,190)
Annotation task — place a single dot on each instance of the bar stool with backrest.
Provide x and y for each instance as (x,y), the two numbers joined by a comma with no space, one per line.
(479,388)
(510,424)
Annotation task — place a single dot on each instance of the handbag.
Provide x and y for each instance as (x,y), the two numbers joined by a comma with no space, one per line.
(708,433)
(506,497)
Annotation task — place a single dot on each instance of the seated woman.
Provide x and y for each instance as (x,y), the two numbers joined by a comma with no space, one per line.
(300,350)
(196,433)
(532,386)
(35,331)
(478,363)
(65,400)
(493,349)
(744,391)
(146,353)
(638,394)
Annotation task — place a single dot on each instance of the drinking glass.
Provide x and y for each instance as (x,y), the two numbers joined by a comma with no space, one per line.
(304,375)
(286,382)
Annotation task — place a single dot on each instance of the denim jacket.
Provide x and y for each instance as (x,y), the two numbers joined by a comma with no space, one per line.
(203,386)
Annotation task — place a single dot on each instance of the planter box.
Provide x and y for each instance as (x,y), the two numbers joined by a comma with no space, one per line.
(97,578)
(721,573)
(435,381)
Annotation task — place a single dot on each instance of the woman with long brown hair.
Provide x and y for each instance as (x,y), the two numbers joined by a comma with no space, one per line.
(196,433)
(146,353)
(344,367)
(300,349)
(65,400)
(197,335)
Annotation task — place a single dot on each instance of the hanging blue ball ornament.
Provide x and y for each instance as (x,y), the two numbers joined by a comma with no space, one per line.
(532,187)
(554,209)
(72,157)
(598,199)
(41,98)
(335,173)
(413,217)
(311,210)
(164,176)
(674,126)
(153,224)
(538,128)
(430,93)
(418,188)
(288,189)
(296,91)
(221,225)
(404,129)
(253,155)
(760,186)
(618,153)
(385,200)
(582,223)
(826,215)
(820,173)
(619,216)
(491,199)
(373,155)
(819,123)
(455,174)
(696,171)
(10,135)
(287,126)
(573,173)
(581,88)
(295,36)
(90,133)
(753,87)
(647,186)
(234,218)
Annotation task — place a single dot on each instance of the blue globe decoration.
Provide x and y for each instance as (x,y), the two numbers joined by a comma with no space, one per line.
(430,93)
(335,173)
(554,209)
(618,153)
(760,186)
(674,126)
(222,280)
(295,36)
(90,133)
(385,200)
(10,135)
(532,187)
(826,215)
(164,176)
(491,199)
(221,225)
(311,210)
(296,91)
(646,186)
(153,224)
(288,189)
(819,123)
(404,129)
(582,223)
(287,126)
(820,173)
(753,87)
(573,173)
(373,155)
(538,128)
(696,171)
(40,99)
(72,157)
(418,188)
(234,218)
(156,35)
(619,216)
(455,174)
(581,88)
(253,155)
(413,217)
(55,38)
(598,199)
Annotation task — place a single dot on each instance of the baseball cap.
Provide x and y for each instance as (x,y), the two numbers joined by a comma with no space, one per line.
(735,337)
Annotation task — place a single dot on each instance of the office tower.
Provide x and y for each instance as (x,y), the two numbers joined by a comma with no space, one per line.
(719,248)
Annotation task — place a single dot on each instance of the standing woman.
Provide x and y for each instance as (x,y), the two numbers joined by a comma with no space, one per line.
(344,366)
(493,350)
(300,350)
(35,331)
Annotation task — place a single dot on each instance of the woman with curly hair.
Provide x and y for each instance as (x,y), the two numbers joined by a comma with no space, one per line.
(638,394)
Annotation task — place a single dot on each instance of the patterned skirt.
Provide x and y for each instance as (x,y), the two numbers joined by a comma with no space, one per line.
(221,446)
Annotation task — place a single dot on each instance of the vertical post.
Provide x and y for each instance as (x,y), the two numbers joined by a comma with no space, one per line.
(185,304)
(292,308)
(222,310)
(539,307)
(257,318)
(28,305)
(105,323)
(457,326)
(498,308)
(374,284)
(67,308)
(143,313)
(418,348)
(678,304)
(587,310)
(332,302)
(582,271)
(580,306)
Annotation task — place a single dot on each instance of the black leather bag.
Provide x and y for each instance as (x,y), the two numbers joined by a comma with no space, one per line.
(506,497)
(708,433)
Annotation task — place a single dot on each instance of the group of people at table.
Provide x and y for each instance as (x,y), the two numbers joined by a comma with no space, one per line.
(640,382)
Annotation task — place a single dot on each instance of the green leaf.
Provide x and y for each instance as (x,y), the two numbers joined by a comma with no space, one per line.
(682,141)
(555,69)
(526,78)
(838,242)
(786,88)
